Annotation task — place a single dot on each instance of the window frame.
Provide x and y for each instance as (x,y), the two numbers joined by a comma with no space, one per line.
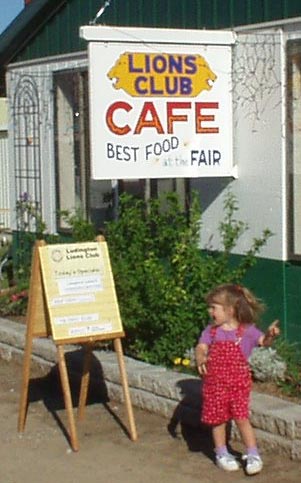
(293,50)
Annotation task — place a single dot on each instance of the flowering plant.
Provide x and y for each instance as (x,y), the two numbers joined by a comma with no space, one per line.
(30,226)
(186,363)
(15,297)
(28,214)
(14,303)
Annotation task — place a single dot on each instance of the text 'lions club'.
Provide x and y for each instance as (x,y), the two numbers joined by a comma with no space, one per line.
(162,75)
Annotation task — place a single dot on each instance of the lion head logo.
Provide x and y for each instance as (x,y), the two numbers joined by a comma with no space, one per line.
(142,74)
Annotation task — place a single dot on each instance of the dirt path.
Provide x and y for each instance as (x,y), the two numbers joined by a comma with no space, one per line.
(42,454)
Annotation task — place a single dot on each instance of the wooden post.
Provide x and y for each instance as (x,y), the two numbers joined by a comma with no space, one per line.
(67,397)
(31,310)
(84,381)
(124,381)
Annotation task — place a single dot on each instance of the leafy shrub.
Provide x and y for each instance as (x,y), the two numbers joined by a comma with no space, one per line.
(81,228)
(161,275)
(291,354)
(31,227)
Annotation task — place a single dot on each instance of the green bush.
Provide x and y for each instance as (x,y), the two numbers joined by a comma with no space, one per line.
(80,229)
(290,352)
(161,275)
(29,218)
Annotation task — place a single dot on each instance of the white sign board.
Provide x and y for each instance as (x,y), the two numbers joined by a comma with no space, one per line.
(160,101)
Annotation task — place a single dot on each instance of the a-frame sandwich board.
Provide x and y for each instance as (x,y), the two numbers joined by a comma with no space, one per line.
(72,300)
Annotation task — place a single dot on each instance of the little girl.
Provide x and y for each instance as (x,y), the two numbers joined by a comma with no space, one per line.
(222,359)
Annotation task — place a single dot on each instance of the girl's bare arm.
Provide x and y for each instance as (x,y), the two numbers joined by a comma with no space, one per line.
(201,352)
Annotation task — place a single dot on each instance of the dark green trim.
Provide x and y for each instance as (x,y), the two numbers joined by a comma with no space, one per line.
(51,27)
(24,27)
(278,284)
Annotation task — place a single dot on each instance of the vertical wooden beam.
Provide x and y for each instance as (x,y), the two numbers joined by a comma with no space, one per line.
(125,386)
(31,310)
(67,397)
(84,381)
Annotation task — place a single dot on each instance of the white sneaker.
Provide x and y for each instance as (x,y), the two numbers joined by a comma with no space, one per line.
(227,462)
(254,464)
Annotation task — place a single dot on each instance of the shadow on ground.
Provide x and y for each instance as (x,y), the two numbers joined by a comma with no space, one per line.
(186,420)
(48,388)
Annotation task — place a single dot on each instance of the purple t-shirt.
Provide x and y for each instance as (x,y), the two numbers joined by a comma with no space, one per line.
(249,340)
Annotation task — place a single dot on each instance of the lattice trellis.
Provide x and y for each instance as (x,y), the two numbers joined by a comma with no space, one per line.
(27,144)
(255,74)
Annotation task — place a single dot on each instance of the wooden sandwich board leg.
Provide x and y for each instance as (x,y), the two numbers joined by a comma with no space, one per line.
(33,304)
(84,382)
(126,393)
(67,397)
(25,384)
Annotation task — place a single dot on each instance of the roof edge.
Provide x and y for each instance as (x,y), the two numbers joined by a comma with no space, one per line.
(14,38)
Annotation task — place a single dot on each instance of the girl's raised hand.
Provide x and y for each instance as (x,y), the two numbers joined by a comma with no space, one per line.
(273,329)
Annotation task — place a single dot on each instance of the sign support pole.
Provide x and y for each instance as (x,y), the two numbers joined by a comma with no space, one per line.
(67,397)
(84,381)
(31,310)
(126,393)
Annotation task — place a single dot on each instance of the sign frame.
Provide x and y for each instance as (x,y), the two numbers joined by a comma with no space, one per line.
(158,133)
(80,291)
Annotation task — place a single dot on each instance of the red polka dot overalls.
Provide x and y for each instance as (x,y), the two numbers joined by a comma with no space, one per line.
(227,384)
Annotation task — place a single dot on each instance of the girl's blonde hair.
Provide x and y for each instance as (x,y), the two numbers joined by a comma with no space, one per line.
(246,306)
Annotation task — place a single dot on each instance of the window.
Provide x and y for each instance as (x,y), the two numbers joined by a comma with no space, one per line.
(74,188)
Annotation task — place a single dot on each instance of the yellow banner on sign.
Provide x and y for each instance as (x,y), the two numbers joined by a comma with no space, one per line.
(162,74)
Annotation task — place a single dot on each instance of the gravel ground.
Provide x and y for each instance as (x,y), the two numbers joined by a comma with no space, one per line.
(42,453)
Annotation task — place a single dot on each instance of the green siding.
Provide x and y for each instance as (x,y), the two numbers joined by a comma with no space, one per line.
(261,279)
(293,300)
(60,33)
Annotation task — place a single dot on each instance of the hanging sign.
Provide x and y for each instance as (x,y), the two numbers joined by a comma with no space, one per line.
(160,103)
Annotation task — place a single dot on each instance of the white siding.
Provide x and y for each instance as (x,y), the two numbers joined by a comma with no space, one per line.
(258,148)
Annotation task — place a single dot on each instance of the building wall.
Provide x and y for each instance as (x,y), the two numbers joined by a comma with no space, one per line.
(260,186)
(40,75)
(259,149)
(259,152)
